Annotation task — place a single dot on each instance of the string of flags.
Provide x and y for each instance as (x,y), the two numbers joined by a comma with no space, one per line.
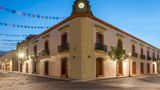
(31,15)
(5,40)
(13,35)
(8,44)
(24,26)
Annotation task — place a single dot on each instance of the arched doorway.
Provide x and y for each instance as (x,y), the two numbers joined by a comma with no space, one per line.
(120,68)
(46,68)
(99,67)
(64,67)
(142,68)
(154,68)
(134,68)
(27,68)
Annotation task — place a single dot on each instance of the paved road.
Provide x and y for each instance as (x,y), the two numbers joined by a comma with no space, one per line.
(13,81)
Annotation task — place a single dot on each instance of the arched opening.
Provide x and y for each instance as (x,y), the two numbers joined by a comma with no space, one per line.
(27,68)
(142,68)
(134,68)
(64,67)
(46,68)
(148,68)
(154,71)
(120,68)
(99,67)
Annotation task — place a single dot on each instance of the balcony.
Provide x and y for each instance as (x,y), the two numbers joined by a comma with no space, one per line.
(149,58)
(43,55)
(101,47)
(143,57)
(64,47)
(135,55)
(154,59)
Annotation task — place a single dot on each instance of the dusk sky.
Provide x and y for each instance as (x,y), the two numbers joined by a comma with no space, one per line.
(140,18)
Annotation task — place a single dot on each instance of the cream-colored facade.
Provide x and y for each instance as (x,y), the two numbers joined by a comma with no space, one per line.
(9,62)
(78,48)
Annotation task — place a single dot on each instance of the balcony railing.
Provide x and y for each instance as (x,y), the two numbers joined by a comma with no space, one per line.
(64,47)
(135,55)
(154,59)
(101,47)
(143,57)
(149,58)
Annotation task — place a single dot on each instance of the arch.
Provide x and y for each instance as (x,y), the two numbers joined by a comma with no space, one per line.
(134,68)
(99,67)
(64,67)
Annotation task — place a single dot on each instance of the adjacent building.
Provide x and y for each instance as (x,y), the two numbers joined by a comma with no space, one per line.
(9,62)
(79,47)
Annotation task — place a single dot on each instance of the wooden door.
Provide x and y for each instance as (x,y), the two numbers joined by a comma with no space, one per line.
(46,67)
(26,67)
(64,67)
(148,68)
(99,67)
(120,68)
(134,68)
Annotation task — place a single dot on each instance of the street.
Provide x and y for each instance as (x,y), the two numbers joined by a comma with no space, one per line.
(13,81)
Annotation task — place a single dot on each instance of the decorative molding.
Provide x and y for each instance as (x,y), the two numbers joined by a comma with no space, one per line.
(120,36)
(36,41)
(133,41)
(46,36)
(64,28)
(148,47)
(100,28)
(142,45)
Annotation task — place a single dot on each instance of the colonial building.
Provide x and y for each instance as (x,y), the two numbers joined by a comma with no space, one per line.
(9,62)
(79,47)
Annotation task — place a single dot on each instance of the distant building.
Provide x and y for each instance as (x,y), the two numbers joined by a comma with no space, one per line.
(79,47)
(9,62)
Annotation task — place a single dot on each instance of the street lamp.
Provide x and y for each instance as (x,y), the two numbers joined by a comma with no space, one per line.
(21,55)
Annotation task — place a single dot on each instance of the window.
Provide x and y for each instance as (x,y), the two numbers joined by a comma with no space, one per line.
(148,53)
(142,68)
(141,51)
(99,38)
(153,56)
(46,46)
(133,49)
(35,50)
(158,56)
(120,44)
(64,38)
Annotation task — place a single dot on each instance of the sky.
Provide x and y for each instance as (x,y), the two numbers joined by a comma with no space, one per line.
(140,18)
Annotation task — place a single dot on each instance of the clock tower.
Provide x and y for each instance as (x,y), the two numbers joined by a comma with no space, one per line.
(81,7)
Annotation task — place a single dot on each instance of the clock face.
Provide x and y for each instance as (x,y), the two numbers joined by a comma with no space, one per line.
(81,5)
